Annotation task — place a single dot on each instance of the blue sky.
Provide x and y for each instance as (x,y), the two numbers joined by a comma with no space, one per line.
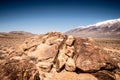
(40,16)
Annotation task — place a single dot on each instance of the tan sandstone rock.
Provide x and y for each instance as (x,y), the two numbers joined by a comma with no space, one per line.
(65,76)
(86,76)
(44,51)
(61,60)
(70,65)
(70,40)
(54,40)
(117,76)
(88,58)
(44,66)
(73,76)
(70,51)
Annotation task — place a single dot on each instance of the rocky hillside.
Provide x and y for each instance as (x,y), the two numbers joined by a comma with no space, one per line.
(55,56)
(109,29)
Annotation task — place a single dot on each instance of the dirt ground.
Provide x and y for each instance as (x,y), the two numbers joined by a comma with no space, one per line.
(11,40)
(111,45)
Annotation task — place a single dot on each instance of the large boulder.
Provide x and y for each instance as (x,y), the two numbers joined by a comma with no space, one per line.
(44,51)
(89,57)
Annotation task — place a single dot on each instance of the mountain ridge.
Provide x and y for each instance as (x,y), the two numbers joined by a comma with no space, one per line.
(108,28)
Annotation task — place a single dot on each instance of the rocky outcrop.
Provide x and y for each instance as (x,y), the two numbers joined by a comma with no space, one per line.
(90,57)
(55,56)
(44,51)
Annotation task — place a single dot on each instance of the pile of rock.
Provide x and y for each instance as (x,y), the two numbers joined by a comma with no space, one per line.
(56,56)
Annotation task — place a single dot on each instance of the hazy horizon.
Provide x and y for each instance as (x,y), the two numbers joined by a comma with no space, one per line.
(40,16)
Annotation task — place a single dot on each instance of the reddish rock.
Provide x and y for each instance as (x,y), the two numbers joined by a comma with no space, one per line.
(88,57)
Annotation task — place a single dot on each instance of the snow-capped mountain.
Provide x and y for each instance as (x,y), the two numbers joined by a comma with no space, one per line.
(109,28)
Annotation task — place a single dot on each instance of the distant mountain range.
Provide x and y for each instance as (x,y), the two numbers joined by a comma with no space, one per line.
(105,29)
(21,33)
(15,34)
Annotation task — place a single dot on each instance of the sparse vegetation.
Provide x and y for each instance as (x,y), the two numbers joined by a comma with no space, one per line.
(111,43)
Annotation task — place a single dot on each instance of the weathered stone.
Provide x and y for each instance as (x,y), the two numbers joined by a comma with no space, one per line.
(70,51)
(118,65)
(47,76)
(70,65)
(65,76)
(54,40)
(86,76)
(105,75)
(73,76)
(16,58)
(15,70)
(89,58)
(70,40)
(117,76)
(44,51)
(44,66)
(61,60)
